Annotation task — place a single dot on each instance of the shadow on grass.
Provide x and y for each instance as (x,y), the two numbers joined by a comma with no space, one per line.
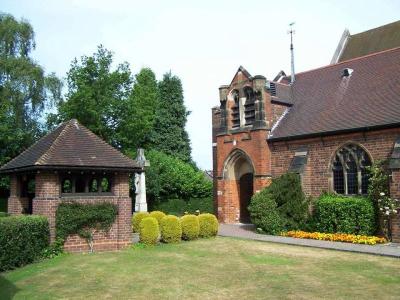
(7,289)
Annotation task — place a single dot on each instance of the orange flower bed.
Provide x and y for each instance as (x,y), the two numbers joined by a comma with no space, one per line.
(336,237)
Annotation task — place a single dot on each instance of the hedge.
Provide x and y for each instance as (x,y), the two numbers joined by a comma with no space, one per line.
(149,231)
(190,227)
(353,215)
(208,225)
(171,229)
(22,240)
(136,219)
(3,214)
(178,207)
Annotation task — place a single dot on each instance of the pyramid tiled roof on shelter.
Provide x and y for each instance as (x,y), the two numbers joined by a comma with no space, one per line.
(70,146)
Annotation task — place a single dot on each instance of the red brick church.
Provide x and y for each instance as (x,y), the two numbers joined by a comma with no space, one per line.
(327,124)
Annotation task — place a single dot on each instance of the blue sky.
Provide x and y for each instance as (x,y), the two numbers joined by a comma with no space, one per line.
(203,42)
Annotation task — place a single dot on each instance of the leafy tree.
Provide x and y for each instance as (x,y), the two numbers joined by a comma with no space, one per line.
(139,113)
(96,94)
(169,134)
(25,90)
(168,177)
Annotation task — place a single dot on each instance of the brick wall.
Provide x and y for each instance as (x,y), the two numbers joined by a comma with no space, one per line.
(317,176)
(48,197)
(119,235)
(17,205)
(395,193)
(227,190)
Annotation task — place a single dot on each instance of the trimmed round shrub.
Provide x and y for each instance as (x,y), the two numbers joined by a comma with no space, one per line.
(159,215)
(208,225)
(190,227)
(136,219)
(264,213)
(171,229)
(149,231)
(353,215)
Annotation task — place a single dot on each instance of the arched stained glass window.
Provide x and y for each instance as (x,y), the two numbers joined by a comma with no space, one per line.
(349,170)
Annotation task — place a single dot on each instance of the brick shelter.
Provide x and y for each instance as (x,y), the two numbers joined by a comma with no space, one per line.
(328,126)
(72,164)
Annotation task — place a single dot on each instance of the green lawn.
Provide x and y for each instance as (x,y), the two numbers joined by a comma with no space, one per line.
(222,268)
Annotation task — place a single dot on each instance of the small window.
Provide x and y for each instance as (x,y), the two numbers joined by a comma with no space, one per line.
(105,185)
(80,185)
(66,186)
(93,186)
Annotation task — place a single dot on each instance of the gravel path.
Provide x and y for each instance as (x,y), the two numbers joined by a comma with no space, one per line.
(246,231)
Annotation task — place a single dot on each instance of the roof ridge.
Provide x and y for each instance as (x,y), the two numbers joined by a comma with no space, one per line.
(41,158)
(104,142)
(349,60)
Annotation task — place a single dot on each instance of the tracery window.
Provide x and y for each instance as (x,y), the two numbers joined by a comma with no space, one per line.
(350,176)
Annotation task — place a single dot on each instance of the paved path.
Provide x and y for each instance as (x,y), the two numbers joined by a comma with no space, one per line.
(245,231)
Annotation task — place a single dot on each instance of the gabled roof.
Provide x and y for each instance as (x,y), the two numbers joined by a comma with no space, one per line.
(326,102)
(370,41)
(70,146)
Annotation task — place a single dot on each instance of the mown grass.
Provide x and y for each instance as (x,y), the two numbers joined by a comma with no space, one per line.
(221,268)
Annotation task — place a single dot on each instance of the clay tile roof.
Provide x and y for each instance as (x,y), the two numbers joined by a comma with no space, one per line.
(283,94)
(371,41)
(70,146)
(326,102)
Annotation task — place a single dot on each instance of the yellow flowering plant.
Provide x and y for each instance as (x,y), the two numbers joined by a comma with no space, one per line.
(336,237)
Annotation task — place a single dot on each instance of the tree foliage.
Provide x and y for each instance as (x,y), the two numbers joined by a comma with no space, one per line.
(138,115)
(169,134)
(281,205)
(25,90)
(168,177)
(291,202)
(264,213)
(96,94)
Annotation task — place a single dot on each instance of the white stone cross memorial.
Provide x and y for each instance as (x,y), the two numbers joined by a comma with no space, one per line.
(140,183)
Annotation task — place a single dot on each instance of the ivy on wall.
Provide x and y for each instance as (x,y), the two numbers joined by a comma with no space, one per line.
(84,220)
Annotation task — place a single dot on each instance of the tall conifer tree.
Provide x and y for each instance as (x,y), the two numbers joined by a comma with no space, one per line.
(169,134)
(139,113)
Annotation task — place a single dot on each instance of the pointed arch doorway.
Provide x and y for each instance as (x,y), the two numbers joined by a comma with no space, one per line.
(245,193)
(239,172)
